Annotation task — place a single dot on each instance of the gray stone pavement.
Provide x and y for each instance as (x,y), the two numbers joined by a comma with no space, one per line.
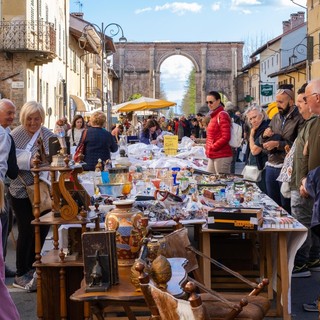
(303,289)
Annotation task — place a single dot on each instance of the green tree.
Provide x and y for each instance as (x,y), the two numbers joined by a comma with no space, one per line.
(188,104)
(135,96)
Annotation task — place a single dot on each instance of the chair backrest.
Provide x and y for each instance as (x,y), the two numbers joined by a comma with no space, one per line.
(175,245)
(171,308)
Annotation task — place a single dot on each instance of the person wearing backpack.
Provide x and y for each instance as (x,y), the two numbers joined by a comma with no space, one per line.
(218,149)
(230,109)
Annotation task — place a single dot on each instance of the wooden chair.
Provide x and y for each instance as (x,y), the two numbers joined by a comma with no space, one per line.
(218,305)
(165,306)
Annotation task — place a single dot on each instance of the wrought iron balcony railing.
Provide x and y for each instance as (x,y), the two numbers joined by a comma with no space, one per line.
(93,93)
(22,35)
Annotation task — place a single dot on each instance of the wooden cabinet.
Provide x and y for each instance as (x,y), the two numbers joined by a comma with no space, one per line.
(59,276)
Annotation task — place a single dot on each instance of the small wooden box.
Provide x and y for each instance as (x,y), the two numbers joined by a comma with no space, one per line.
(235,218)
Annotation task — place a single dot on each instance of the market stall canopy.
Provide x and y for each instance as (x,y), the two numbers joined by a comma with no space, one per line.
(143,103)
(81,105)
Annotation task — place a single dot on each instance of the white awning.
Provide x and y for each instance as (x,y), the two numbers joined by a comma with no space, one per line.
(82,106)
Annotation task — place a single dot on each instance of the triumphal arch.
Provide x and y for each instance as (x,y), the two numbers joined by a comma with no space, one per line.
(137,67)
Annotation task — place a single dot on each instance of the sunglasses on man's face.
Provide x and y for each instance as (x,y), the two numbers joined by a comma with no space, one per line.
(305,98)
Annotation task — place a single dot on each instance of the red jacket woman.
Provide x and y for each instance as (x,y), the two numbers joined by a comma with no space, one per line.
(218,150)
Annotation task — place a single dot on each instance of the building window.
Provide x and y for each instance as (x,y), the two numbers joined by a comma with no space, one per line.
(59,43)
(47,13)
(56,97)
(63,46)
(47,97)
(71,66)
(74,61)
(40,91)
(32,15)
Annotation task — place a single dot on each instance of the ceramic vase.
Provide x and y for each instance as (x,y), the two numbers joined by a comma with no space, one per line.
(128,224)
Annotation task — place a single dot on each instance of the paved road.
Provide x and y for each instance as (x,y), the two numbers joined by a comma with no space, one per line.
(303,290)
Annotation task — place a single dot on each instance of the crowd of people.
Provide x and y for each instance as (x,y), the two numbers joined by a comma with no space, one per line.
(285,149)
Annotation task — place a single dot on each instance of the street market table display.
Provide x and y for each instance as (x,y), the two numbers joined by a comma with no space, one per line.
(190,194)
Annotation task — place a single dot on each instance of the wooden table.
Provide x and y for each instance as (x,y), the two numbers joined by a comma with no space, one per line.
(124,293)
(286,241)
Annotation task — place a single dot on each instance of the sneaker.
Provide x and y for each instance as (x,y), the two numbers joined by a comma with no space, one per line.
(301,272)
(311,307)
(21,282)
(314,265)
(32,285)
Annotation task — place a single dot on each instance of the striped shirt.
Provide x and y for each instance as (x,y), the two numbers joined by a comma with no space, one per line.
(21,138)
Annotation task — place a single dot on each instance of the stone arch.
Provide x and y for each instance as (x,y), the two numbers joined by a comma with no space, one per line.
(216,63)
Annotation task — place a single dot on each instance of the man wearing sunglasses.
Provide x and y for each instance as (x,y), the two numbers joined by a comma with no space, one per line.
(281,133)
(312,99)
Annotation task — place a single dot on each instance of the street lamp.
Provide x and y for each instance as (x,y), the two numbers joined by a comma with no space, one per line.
(306,50)
(101,32)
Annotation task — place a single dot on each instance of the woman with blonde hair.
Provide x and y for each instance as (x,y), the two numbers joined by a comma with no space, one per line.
(98,142)
(26,137)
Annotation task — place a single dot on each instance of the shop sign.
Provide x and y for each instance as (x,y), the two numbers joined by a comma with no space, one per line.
(17,85)
(266,90)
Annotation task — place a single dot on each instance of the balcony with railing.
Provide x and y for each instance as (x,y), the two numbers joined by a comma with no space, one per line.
(38,38)
(93,94)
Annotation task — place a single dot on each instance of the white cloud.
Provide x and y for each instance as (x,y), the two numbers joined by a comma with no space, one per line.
(138,11)
(180,8)
(245,2)
(289,3)
(246,11)
(216,6)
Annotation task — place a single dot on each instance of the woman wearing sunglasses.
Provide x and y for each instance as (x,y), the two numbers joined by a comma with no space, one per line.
(218,150)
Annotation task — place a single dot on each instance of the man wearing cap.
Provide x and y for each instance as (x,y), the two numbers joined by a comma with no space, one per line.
(279,136)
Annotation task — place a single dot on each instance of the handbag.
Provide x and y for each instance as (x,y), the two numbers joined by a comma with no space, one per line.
(251,173)
(45,196)
(79,154)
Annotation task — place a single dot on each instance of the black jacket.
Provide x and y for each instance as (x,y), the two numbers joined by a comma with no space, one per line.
(313,188)
(13,168)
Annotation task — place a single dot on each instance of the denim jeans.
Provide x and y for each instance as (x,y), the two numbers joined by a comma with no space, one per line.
(302,210)
(273,188)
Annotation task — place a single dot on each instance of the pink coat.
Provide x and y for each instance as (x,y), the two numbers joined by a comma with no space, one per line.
(8,310)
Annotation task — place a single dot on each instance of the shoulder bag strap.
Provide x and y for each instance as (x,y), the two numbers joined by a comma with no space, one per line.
(33,140)
(22,180)
(83,137)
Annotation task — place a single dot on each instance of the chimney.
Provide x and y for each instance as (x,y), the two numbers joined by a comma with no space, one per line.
(286,26)
(78,14)
(297,19)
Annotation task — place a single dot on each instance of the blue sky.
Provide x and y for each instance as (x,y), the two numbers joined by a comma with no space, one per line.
(161,20)
(251,21)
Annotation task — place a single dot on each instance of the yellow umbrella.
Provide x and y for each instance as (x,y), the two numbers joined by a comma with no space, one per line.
(142,103)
